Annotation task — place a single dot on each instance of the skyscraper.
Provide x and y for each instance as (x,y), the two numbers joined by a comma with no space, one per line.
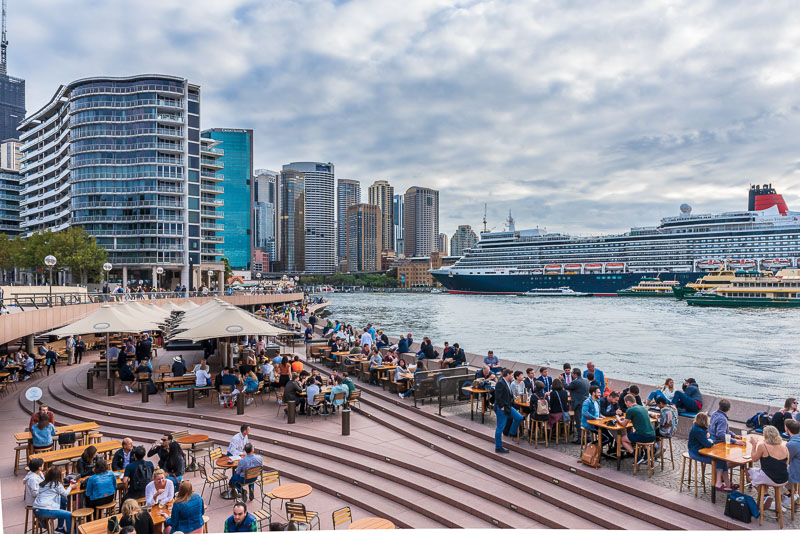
(348,192)
(264,211)
(126,166)
(12,93)
(381,194)
(420,221)
(290,238)
(237,161)
(363,238)
(397,222)
(320,237)
(441,244)
(462,239)
(9,190)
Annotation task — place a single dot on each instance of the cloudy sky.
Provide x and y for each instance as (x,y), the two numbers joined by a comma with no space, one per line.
(577,116)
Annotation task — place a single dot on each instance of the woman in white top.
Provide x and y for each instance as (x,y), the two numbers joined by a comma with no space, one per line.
(268,371)
(161,490)
(51,501)
(202,378)
(666,391)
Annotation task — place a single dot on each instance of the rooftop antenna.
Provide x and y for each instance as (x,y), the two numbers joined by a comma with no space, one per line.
(484,204)
(3,43)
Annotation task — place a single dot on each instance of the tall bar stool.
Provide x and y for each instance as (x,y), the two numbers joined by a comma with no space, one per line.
(763,491)
(663,440)
(105,510)
(534,432)
(20,456)
(794,498)
(559,425)
(49,525)
(93,438)
(30,519)
(586,438)
(63,464)
(649,449)
(81,516)
(692,463)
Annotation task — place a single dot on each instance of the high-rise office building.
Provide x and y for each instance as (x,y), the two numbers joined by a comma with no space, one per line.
(381,194)
(12,93)
(9,189)
(290,237)
(363,238)
(318,221)
(121,157)
(397,223)
(441,244)
(237,194)
(420,221)
(463,239)
(348,193)
(264,211)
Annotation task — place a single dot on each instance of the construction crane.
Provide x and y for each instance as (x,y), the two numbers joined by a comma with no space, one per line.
(3,43)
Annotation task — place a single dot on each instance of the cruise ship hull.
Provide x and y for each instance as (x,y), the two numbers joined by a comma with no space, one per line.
(516,284)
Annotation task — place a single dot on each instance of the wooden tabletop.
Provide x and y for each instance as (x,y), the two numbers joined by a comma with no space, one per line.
(343,353)
(475,390)
(100,526)
(71,453)
(295,490)
(371,523)
(191,439)
(730,453)
(80,427)
(227,462)
(610,423)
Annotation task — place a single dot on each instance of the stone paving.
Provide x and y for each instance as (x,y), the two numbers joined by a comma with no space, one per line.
(668,478)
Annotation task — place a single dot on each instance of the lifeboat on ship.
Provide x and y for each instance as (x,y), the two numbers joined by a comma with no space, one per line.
(552,269)
(614,266)
(776,263)
(592,267)
(742,264)
(572,268)
(709,265)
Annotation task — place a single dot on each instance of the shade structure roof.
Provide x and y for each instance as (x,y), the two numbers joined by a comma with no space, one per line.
(198,316)
(170,306)
(230,321)
(138,309)
(106,319)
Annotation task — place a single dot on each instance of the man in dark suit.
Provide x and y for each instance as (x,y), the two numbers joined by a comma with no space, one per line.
(544,379)
(579,391)
(504,408)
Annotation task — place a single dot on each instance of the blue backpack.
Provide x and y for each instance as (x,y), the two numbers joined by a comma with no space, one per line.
(755,421)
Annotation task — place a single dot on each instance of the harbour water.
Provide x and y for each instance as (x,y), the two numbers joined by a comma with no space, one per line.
(749,354)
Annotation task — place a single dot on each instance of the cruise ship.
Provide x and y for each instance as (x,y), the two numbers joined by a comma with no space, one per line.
(686,246)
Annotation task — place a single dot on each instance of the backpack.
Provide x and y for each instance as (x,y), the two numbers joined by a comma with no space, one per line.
(591,455)
(141,476)
(67,438)
(112,525)
(740,507)
(755,421)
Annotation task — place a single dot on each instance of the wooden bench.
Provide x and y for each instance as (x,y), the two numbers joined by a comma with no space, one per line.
(181,389)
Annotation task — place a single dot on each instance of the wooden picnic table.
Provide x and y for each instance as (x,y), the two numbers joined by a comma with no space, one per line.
(371,523)
(610,423)
(481,394)
(290,492)
(100,526)
(80,427)
(73,453)
(737,455)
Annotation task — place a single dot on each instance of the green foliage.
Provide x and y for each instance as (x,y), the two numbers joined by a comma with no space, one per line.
(359,279)
(228,270)
(73,248)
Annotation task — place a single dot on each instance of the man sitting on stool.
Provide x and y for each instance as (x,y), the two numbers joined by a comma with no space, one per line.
(249,461)
(643,431)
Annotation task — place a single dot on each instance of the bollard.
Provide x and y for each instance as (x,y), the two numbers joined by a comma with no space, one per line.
(346,422)
(89,380)
(110,386)
(240,404)
(291,411)
(190,398)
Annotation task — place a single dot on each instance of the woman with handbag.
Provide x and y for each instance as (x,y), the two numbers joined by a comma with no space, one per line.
(559,404)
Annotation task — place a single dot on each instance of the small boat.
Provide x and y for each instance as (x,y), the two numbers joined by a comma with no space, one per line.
(555,292)
(573,268)
(435,291)
(777,263)
(552,269)
(650,287)
(709,265)
(614,266)
(743,264)
(592,267)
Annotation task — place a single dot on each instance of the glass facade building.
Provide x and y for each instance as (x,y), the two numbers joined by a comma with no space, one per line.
(420,221)
(238,195)
(121,157)
(12,106)
(291,237)
(397,222)
(9,202)
(381,194)
(348,193)
(264,211)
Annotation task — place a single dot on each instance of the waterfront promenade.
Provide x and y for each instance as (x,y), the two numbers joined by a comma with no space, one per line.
(408,465)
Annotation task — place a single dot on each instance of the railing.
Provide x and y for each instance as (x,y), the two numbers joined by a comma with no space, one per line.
(139,189)
(110,132)
(77,106)
(124,161)
(121,148)
(125,90)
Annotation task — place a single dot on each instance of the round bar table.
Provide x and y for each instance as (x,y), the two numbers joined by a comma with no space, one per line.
(192,439)
(371,523)
(226,462)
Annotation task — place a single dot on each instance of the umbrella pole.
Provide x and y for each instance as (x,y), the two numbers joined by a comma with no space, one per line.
(108,360)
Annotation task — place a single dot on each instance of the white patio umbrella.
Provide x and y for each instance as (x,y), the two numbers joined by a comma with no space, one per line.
(230,321)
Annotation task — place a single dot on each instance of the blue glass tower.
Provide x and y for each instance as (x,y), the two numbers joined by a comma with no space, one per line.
(238,193)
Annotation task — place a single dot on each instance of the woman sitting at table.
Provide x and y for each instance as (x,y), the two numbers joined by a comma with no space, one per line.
(774,456)
(133,515)
(699,438)
(42,433)
(187,512)
(420,368)
(85,464)
(101,488)
(175,463)
(537,395)
(202,378)
(161,490)
(399,371)
(250,383)
(51,502)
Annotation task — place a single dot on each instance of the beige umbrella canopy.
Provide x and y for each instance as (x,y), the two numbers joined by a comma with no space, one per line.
(106,319)
(230,321)
(198,316)
(138,310)
(190,305)
(170,306)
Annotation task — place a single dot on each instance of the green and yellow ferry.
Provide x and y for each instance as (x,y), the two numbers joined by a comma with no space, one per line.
(650,287)
(721,277)
(754,289)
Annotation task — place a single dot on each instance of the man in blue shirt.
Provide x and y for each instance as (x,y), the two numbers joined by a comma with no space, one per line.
(598,376)
(404,345)
(249,461)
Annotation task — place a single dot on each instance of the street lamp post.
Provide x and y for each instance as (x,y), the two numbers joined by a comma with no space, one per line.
(50,261)
(107,267)
(159,272)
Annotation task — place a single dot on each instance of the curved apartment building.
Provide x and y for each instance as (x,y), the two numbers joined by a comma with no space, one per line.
(123,158)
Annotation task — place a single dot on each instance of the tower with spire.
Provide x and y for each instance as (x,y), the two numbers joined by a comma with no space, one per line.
(12,92)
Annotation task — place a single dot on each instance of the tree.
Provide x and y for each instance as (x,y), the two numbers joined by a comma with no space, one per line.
(228,270)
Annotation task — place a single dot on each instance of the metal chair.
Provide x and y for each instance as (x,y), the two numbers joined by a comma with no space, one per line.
(355,398)
(217,481)
(319,404)
(341,516)
(267,478)
(297,512)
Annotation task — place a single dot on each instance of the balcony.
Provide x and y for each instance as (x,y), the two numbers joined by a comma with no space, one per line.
(126,161)
(218,189)
(214,214)
(111,90)
(212,239)
(212,226)
(78,106)
(208,162)
(123,148)
(211,202)
(212,150)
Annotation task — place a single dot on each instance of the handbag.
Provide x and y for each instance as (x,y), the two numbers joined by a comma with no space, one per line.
(565,417)
(113,525)
(542,407)
(591,455)
(737,508)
